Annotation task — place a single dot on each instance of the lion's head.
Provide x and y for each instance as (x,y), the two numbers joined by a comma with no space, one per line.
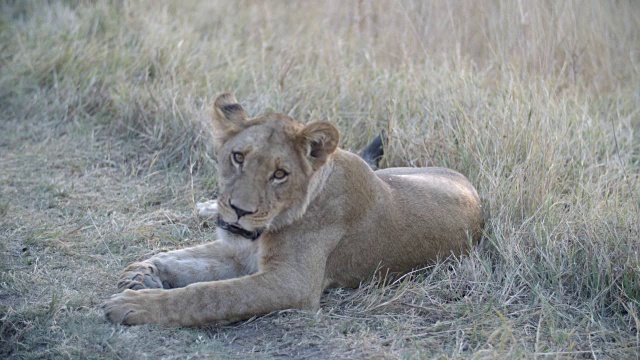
(268,166)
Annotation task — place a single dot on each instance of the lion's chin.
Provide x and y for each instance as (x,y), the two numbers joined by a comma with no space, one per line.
(251,225)
(238,229)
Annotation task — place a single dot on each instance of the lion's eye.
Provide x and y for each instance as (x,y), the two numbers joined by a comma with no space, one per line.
(238,158)
(280,174)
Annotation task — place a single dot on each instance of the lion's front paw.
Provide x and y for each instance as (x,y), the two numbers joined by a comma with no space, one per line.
(129,308)
(137,276)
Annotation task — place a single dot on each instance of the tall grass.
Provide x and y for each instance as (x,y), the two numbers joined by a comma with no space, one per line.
(536,101)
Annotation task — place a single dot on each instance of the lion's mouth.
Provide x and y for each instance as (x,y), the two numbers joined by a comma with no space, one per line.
(235,229)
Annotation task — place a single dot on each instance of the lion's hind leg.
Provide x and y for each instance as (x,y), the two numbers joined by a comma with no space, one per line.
(207,209)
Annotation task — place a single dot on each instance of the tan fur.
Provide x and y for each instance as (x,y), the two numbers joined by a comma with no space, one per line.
(331,223)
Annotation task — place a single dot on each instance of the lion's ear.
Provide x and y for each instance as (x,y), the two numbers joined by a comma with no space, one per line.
(319,140)
(229,118)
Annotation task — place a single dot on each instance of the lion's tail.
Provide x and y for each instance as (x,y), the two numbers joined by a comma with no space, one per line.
(373,152)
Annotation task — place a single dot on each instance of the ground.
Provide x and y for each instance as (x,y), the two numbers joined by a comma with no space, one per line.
(104,152)
(75,221)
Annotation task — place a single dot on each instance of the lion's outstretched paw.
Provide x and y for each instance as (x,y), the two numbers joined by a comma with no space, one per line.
(137,276)
(129,308)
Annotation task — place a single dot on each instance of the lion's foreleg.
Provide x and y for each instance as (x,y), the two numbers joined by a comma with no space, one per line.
(201,303)
(213,261)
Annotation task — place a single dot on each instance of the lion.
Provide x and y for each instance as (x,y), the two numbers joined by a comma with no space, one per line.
(297,215)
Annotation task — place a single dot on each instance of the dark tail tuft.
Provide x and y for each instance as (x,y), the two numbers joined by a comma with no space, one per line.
(374,151)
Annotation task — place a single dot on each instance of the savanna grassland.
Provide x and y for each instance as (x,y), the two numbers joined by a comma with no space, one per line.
(104,151)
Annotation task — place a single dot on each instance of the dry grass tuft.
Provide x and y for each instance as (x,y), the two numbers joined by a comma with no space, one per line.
(104,143)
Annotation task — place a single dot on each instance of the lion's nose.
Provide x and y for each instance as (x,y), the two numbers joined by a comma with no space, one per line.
(240,212)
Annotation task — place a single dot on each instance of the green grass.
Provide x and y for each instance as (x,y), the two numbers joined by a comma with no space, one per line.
(104,144)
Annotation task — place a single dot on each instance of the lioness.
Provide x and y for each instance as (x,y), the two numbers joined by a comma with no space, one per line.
(297,215)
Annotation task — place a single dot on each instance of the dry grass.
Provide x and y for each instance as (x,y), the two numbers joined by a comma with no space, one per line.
(104,150)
